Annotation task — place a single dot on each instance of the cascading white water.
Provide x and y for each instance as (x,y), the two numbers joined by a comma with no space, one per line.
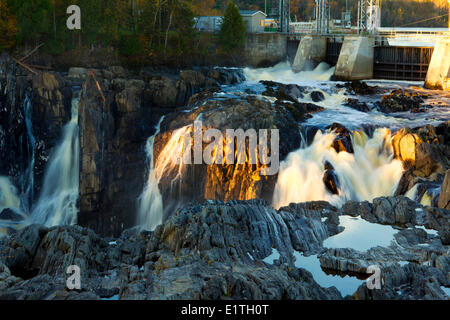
(150,202)
(368,173)
(28,178)
(283,73)
(57,204)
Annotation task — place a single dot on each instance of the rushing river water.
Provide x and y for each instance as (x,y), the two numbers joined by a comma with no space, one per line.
(57,202)
(370,172)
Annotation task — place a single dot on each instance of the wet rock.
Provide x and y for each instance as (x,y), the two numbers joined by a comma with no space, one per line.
(301,111)
(17,252)
(357,105)
(444,198)
(429,159)
(8,214)
(404,143)
(400,210)
(401,100)
(317,96)
(201,252)
(330,179)
(283,92)
(425,153)
(359,88)
(343,140)
(355,209)
(226,76)
(218,250)
(406,183)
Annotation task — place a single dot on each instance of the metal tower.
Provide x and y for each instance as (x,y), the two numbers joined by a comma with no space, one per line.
(280,10)
(322,16)
(285,13)
(369,15)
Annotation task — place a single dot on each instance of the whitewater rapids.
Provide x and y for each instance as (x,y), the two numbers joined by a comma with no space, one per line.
(370,172)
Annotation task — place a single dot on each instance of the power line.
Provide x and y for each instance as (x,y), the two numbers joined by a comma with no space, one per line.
(437,17)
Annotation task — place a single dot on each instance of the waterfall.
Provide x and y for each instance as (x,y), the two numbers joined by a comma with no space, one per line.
(283,73)
(368,173)
(27,195)
(57,204)
(150,202)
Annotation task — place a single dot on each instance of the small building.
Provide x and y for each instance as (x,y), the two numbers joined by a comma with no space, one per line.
(254,20)
(208,23)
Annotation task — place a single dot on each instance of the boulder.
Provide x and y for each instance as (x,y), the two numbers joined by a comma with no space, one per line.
(404,143)
(400,101)
(10,215)
(330,179)
(343,140)
(444,198)
(429,159)
(357,105)
(317,96)
(283,92)
(359,88)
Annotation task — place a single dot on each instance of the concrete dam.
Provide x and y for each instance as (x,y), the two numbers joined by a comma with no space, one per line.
(390,55)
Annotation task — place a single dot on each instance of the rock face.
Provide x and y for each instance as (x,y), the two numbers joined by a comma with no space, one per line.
(113,133)
(116,116)
(33,110)
(224,181)
(425,153)
(202,252)
(220,250)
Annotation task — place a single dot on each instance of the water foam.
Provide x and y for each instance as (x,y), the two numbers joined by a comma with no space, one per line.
(368,173)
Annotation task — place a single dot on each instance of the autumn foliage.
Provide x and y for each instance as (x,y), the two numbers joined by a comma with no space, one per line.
(8,26)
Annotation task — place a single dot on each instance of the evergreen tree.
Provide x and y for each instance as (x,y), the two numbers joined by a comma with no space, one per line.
(233,31)
(33,19)
(8,26)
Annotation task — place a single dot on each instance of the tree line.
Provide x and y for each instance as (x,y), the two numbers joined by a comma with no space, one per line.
(146,28)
